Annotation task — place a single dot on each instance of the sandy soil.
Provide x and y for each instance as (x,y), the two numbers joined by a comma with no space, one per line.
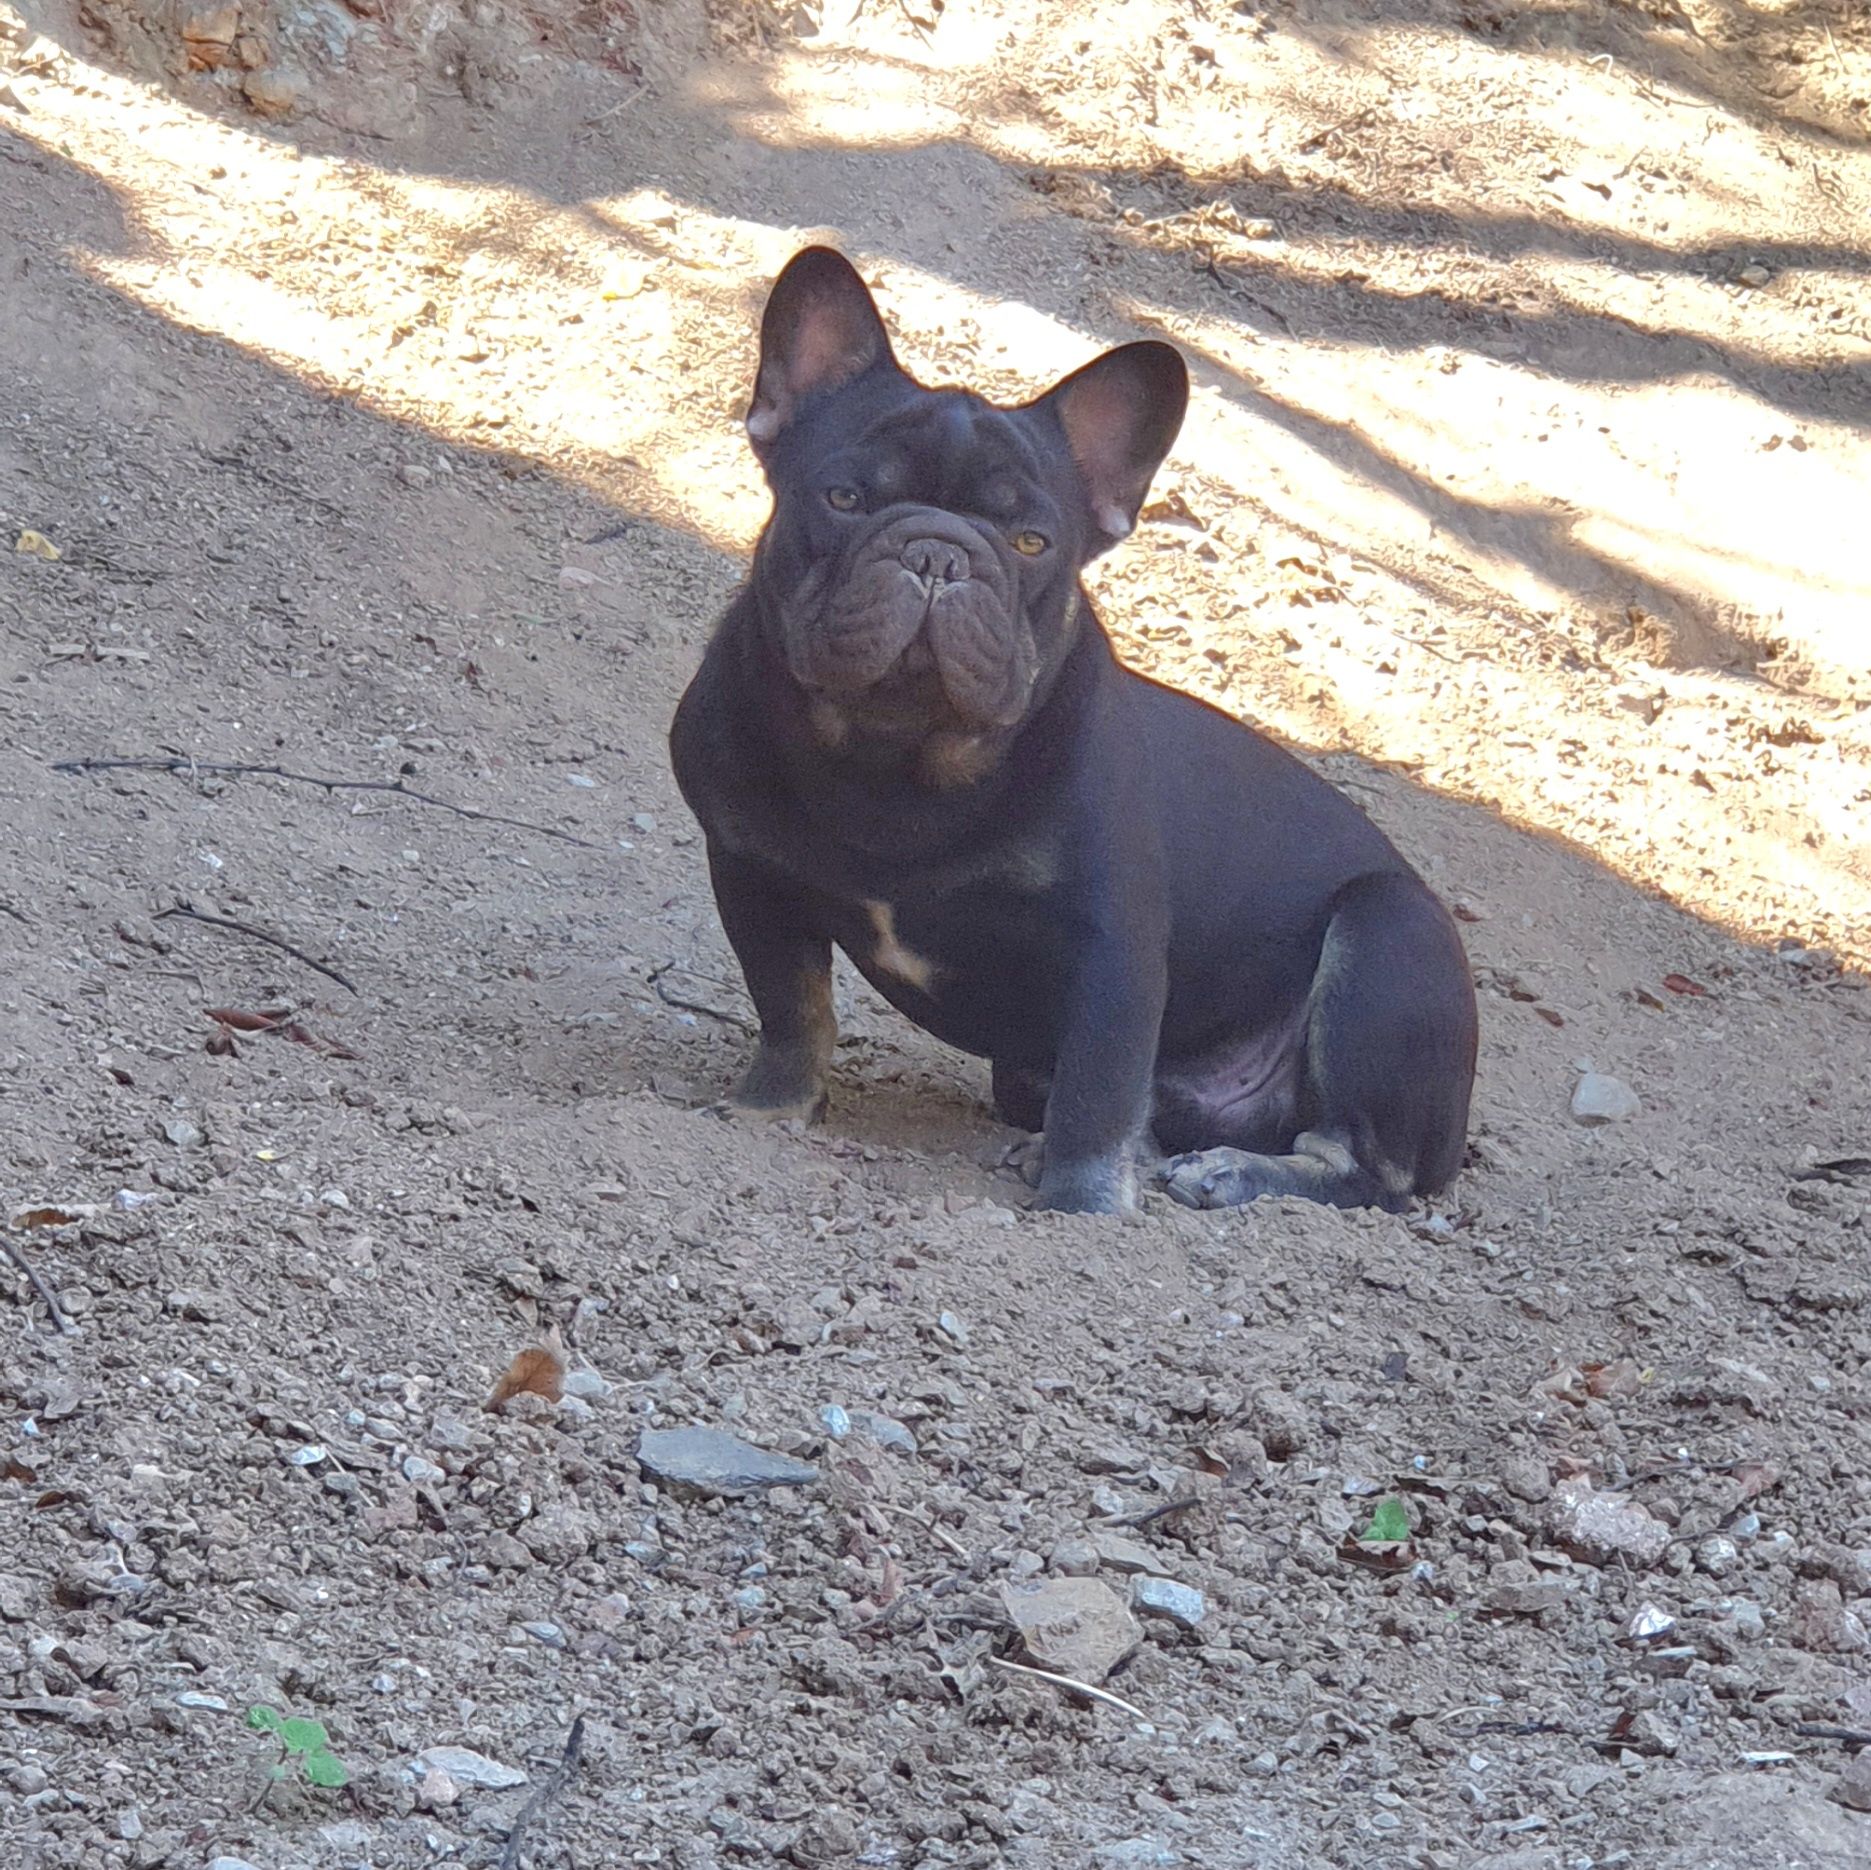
(375,383)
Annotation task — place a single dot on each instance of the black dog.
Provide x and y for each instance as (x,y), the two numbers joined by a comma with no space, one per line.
(910,736)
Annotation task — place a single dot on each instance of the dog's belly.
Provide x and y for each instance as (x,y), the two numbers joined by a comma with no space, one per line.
(986,993)
(1244,1093)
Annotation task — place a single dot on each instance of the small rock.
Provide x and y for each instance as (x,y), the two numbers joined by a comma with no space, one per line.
(1602,1528)
(836,1420)
(548,1633)
(1650,1733)
(885,1430)
(421,1473)
(1163,1597)
(643,821)
(1116,1553)
(1648,1622)
(28,1781)
(229,1863)
(437,1790)
(1717,1555)
(825,1838)
(954,1330)
(712,1462)
(1515,1589)
(1134,1854)
(182,1133)
(1074,1626)
(1073,1558)
(1755,275)
(560,1534)
(586,1384)
(1599,1098)
(1526,1478)
(468,1768)
(412,474)
(273,93)
(1852,1788)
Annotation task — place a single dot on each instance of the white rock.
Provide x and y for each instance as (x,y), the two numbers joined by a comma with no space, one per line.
(468,1768)
(1600,1098)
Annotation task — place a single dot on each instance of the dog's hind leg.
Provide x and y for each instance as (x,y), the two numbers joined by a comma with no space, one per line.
(1388,1064)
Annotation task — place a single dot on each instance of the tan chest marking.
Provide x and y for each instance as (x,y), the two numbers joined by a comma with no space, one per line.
(889,954)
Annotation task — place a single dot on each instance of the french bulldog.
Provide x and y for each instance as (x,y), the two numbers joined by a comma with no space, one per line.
(911,738)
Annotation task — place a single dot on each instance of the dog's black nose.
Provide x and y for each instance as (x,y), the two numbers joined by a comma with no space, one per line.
(935,561)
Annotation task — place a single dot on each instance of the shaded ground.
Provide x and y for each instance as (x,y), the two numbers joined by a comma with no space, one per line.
(1510,492)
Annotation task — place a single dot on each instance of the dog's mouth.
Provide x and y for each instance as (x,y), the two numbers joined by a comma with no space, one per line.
(918,625)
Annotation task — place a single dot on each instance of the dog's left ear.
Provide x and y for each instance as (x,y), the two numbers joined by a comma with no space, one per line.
(820,331)
(1120,414)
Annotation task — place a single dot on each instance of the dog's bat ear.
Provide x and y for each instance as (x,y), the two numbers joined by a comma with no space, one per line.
(1120,414)
(820,331)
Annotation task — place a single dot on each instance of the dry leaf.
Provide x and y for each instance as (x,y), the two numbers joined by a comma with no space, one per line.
(1755,1477)
(1681,983)
(250,1022)
(50,1217)
(537,1372)
(38,546)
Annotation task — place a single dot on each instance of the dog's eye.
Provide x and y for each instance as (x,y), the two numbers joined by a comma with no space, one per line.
(1030,544)
(845,499)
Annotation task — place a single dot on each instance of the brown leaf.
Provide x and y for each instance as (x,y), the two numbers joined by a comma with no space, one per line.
(1550,1017)
(250,1022)
(1681,983)
(536,1372)
(1385,1556)
(1613,1382)
(12,1468)
(1755,1478)
(47,1217)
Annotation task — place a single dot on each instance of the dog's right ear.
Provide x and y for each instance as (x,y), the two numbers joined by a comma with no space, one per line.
(820,331)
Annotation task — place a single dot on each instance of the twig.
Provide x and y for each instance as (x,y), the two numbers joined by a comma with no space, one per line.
(724,1014)
(1077,1687)
(1151,1514)
(237,769)
(1819,1730)
(247,928)
(46,1297)
(550,1789)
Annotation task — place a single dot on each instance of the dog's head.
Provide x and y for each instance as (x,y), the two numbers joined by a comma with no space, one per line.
(922,561)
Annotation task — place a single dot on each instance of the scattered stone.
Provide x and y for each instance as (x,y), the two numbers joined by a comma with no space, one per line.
(1648,1622)
(1717,1555)
(1516,1589)
(1603,1528)
(1116,1553)
(273,93)
(28,1780)
(1755,274)
(885,1430)
(836,1421)
(421,1473)
(1852,1788)
(1649,1733)
(182,1133)
(1527,1479)
(413,474)
(468,1768)
(825,1838)
(954,1330)
(1600,1098)
(548,1633)
(1163,1597)
(1134,1854)
(1074,1626)
(712,1462)
(559,1534)
(1823,1622)
(1074,1558)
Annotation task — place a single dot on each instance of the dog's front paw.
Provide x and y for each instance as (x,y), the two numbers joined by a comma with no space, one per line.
(1101,1186)
(780,1087)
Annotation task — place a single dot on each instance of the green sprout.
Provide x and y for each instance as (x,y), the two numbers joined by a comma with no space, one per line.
(1390,1524)
(304,1744)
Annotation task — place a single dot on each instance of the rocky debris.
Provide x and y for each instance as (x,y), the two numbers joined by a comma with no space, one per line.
(1852,1788)
(1599,1098)
(464,1767)
(1516,1588)
(712,1461)
(1074,1626)
(1163,1597)
(1116,1553)
(1604,1528)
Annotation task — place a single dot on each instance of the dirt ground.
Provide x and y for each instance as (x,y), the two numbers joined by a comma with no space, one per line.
(369,388)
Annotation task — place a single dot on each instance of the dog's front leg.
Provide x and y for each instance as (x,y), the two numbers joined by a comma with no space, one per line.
(788,967)
(1101,1087)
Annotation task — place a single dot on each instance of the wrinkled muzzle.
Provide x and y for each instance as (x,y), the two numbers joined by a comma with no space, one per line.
(920,612)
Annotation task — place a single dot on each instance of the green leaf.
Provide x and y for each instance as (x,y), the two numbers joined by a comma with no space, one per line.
(1390,1524)
(304,1736)
(265,1720)
(326,1769)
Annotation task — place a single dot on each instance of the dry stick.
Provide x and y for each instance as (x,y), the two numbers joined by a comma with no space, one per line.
(1072,1682)
(1819,1730)
(724,1014)
(44,1291)
(247,928)
(550,1789)
(237,769)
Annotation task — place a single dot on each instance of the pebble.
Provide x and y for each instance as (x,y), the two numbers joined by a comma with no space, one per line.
(468,1768)
(1074,1558)
(1650,1733)
(1717,1555)
(642,821)
(1648,1622)
(885,1430)
(711,1462)
(190,1698)
(28,1781)
(1163,1597)
(1074,1626)
(1602,1528)
(836,1421)
(421,1473)
(412,474)
(229,1863)
(1600,1098)
(1755,275)
(1116,1553)
(182,1133)
(1526,1594)
(587,1385)
(560,1534)
(953,1329)
(1852,1788)
(548,1633)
